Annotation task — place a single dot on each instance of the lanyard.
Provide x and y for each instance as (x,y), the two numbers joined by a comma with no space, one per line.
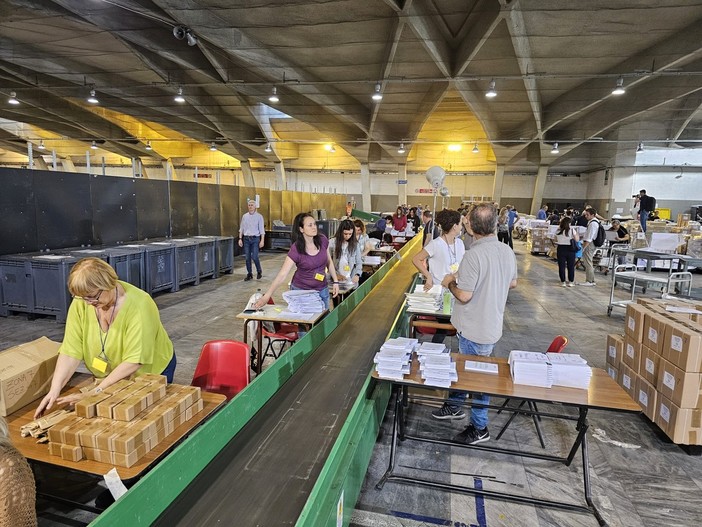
(103,355)
(452,253)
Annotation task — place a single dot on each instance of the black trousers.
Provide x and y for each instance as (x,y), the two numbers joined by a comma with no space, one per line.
(566,259)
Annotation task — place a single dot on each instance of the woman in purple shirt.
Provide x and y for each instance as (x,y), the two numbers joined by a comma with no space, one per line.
(309,254)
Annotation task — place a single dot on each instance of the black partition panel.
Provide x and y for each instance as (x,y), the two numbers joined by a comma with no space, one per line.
(114,209)
(63,209)
(229,205)
(183,208)
(208,216)
(152,209)
(19,221)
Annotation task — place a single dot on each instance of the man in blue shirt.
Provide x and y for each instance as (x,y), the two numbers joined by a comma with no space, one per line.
(541,215)
(512,219)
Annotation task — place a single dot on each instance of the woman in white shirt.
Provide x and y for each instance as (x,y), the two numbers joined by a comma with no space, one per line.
(564,251)
(345,252)
(362,238)
(442,255)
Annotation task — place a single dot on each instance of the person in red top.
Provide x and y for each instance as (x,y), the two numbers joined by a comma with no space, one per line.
(399,220)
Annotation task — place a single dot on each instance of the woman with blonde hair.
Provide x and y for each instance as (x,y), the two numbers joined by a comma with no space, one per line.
(503,226)
(17,488)
(113,327)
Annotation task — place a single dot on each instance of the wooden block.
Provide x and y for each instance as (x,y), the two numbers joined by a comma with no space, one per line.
(55,449)
(105,439)
(104,407)
(127,460)
(57,433)
(151,378)
(88,434)
(132,405)
(88,406)
(71,453)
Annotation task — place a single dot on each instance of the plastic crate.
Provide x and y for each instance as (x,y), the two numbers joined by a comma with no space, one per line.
(159,266)
(206,258)
(50,284)
(186,261)
(15,284)
(129,264)
(224,255)
(85,253)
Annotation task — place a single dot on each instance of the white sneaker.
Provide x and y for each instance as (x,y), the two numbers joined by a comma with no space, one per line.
(564,284)
(587,284)
(571,284)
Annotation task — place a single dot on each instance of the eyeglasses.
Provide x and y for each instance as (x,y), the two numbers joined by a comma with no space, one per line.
(90,299)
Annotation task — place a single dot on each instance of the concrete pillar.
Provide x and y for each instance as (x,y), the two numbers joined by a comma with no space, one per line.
(169,169)
(248,174)
(539,187)
(402,189)
(280,179)
(365,188)
(67,164)
(40,164)
(497,183)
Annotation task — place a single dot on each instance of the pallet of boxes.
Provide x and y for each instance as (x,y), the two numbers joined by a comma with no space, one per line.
(658,361)
(538,241)
(124,422)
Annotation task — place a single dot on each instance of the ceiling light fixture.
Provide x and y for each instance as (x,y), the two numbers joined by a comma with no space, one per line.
(639,148)
(274,95)
(454,148)
(179,96)
(475,148)
(41,145)
(619,88)
(268,148)
(13,98)
(213,147)
(93,145)
(190,38)
(332,150)
(491,90)
(401,150)
(377,96)
(92,99)
(148,145)
(554,150)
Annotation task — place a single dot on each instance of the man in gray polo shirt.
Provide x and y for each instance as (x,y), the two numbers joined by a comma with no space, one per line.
(252,237)
(486,274)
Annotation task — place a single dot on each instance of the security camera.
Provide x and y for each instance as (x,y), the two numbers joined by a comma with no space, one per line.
(179,32)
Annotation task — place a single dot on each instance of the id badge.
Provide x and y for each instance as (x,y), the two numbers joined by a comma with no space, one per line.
(99,365)
(347,268)
(454,268)
(319,277)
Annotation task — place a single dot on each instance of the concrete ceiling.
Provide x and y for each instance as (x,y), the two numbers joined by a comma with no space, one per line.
(554,64)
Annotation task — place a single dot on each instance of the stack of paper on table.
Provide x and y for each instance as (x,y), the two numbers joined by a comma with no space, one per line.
(371,260)
(531,368)
(437,368)
(481,367)
(570,370)
(301,301)
(393,359)
(426,302)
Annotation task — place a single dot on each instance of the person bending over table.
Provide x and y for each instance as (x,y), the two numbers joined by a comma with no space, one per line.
(363,239)
(309,253)
(346,253)
(112,326)
(399,220)
(17,487)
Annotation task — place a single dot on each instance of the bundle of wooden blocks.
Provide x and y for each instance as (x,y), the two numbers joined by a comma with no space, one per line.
(125,421)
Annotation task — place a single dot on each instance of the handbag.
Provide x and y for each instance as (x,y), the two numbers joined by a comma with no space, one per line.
(574,246)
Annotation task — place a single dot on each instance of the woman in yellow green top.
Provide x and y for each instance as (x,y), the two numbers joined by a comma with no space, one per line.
(113,327)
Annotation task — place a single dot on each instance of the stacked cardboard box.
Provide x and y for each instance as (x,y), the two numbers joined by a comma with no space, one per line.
(658,361)
(537,240)
(125,421)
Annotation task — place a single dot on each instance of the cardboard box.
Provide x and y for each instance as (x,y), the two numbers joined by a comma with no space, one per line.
(632,353)
(646,396)
(627,380)
(634,321)
(649,366)
(613,372)
(681,425)
(615,349)
(683,389)
(25,373)
(654,331)
(683,345)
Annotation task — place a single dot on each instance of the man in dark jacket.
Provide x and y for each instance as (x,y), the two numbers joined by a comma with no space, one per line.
(646,204)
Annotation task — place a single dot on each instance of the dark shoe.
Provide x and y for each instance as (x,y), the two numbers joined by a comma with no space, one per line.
(448,412)
(248,277)
(473,436)
(258,276)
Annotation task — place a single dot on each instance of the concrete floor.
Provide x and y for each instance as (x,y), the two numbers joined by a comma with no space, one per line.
(647,481)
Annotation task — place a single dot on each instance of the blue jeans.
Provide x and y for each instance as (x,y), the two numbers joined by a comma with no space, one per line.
(170,369)
(478,416)
(251,252)
(643,216)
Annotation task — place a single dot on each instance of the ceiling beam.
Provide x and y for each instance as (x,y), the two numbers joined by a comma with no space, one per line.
(490,17)
(433,39)
(690,108)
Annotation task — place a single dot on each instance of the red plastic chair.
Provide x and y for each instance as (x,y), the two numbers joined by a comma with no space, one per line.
(283,334)
(418,330)
(223,367)
(557,346)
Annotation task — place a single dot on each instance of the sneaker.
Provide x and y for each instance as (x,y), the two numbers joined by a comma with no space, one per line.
(248,277)
(564,284)
(258,276)
(473,436)
(587,284)
(448,412)
(571,284)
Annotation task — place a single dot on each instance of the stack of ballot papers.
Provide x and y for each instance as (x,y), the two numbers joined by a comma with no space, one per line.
(393,359)
(301,301)
(531,368)
(435,365)
(570,370)
(481,367)
(425,302)
(371,260)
